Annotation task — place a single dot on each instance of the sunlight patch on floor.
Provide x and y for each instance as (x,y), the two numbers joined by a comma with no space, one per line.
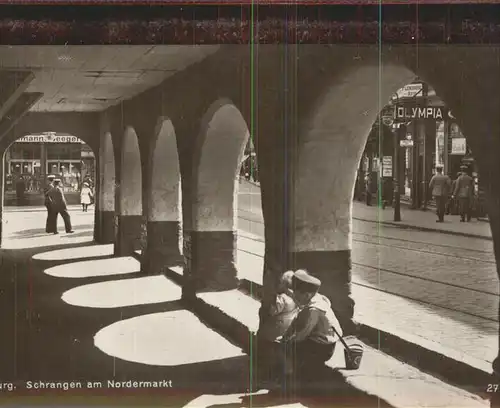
(206,401)
(164,339)
(91,251)
(98,267)
(122,293)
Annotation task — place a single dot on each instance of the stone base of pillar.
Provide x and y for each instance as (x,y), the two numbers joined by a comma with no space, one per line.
(129,234)
(106,227)
(333,268)
(209,261)
(97,226)
(162,248)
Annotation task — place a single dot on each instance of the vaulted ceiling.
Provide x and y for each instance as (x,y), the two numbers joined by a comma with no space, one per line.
(92,78)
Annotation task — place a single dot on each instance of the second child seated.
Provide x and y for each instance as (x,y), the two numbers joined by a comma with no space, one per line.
(280,316)
(311,337)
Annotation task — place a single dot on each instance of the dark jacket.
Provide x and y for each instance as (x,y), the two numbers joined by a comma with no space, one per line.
(57,196)
(48,200)
(440,185)
(316,321)
(464,187)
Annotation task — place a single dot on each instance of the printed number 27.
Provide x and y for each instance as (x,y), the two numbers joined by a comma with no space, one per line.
(492,388)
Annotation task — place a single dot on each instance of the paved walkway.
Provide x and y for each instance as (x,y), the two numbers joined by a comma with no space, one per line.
(422,220)
(458,335)
(77,315)
(413,219)
(73,316)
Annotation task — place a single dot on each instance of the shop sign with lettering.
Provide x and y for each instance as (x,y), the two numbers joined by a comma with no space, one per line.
(458,146)
(387,166)
(403,112)
(49,139)
(410,91)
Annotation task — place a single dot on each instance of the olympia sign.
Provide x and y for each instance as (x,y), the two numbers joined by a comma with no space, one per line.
(419,113)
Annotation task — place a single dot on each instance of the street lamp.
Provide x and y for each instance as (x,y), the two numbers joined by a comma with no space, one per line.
(388,120)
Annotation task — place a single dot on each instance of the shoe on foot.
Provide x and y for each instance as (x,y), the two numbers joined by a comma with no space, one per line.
(70,232)
(55,233)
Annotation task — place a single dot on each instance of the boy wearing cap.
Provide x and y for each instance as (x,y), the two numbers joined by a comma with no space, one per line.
(313,334)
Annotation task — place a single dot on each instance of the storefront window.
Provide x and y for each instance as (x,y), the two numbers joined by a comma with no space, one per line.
(19,151)
(439,159)
(33,159)
(69,171)
(64,151)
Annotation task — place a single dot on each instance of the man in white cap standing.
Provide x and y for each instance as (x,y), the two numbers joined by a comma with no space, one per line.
(50,225)
(440,186)
(60,207)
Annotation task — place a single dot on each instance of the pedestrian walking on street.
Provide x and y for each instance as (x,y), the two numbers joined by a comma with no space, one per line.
(20,190)
(440,185)
(60,207)
(464,191)
(452,204)
(48,205)
(371,187)
(86,196)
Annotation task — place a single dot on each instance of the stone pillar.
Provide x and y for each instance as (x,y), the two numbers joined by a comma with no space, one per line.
(97,200)
(163,206)
(482,132)
(129,234)
(318,143)
(105,205)
(211,265)
(162,246)
(130,222)
(2,192)
(210,246)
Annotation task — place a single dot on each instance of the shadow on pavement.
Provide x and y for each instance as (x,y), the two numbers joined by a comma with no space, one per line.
(88,233)
(50,340)
(41,231)
(331,391)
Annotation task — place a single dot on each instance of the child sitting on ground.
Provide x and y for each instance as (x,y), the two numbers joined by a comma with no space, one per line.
(281,313)
(280,316)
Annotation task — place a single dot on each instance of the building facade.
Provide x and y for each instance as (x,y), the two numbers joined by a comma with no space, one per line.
(428,135)
(29,160)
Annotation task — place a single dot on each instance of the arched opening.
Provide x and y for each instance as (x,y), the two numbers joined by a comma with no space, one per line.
(28,164)
(106,202)
(422,133)
(365,254)
(328,156)
(164,210)
(129,228)
(217,161)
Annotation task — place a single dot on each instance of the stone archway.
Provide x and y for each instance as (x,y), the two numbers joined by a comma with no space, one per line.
(216,163)
(129,228)
(164,210)
(106,199)
(327,160)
